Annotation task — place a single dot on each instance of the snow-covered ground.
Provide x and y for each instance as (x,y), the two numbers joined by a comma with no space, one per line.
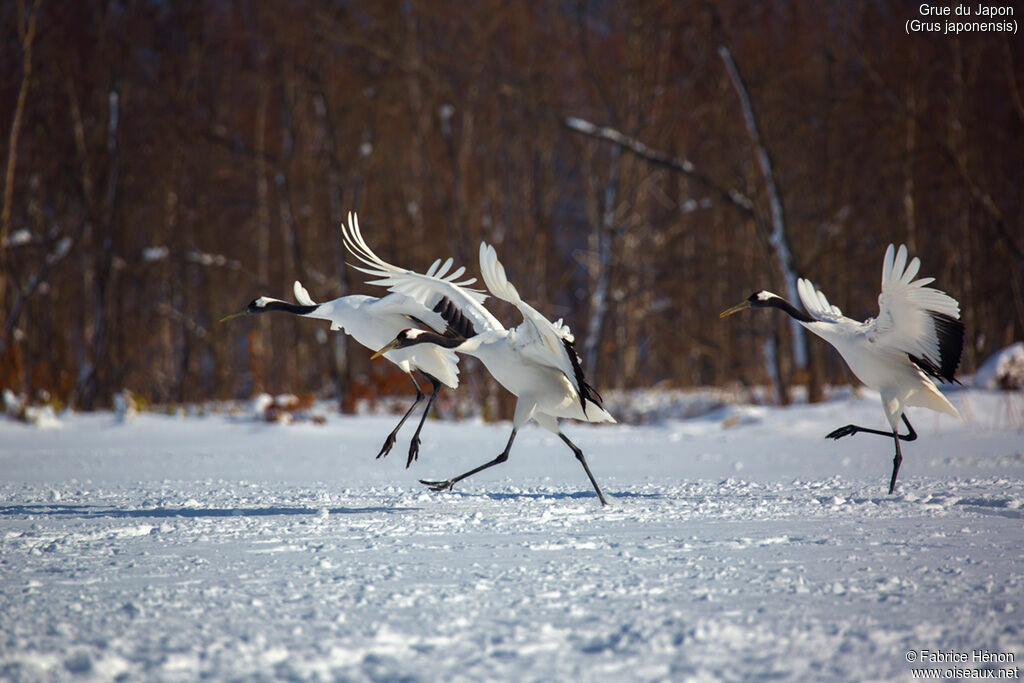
(738,545)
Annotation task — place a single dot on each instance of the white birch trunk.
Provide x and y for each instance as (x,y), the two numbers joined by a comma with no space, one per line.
(777,237)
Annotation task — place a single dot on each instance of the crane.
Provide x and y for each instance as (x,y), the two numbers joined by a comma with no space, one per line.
(536,361)
(372,322)
(916,339)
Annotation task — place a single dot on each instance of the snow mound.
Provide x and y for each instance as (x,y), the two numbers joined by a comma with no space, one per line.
(285,409)
(1004,370)
(654,406)
(42,416)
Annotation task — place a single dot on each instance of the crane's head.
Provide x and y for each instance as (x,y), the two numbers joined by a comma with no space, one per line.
(404,339)
(254,306)
(760,299)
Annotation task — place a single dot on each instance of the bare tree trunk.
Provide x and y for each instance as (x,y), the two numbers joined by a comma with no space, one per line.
(284,188)
(262,229)
(89,383)
(731,196)
(342,369)
(289,232)
(909,210)
(458,202)
(27,33)
(778,238)
(600,269)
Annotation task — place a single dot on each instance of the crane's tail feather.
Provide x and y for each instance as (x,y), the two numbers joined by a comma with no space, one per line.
(301,295)
(815,301)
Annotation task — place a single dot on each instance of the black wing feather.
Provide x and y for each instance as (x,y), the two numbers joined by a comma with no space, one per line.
(950,333)
(458,324)
(587,392)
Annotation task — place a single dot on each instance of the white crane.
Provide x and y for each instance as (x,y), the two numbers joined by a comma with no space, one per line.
(373,322)
(916,337)
(536,361)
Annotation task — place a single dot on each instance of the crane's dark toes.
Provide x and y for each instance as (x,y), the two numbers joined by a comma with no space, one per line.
(414,452)
(438,485)
(388,444)
(841,432)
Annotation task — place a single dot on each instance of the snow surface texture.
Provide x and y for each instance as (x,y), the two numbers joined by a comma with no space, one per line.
(179,548)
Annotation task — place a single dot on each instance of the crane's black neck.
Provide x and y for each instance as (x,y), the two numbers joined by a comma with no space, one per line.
(785,306)
(430,337)
(284,306)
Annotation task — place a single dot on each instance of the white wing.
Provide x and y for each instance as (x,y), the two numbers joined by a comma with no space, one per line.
(396,308)
(403,306)
(429,288)
(394,304)
(434,360)
(914,318)
(537,339)
(816,303)
(391,314)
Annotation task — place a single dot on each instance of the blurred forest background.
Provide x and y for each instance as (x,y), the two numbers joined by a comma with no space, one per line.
(166,162)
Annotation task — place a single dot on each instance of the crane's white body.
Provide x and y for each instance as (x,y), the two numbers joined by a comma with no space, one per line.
(878,349)
(530,361)
(544,392)
(373,322)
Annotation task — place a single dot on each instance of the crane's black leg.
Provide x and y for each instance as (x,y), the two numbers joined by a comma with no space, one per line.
(390,441)
(897,460)
(850,430)
(414,445)
(449,483)
(586,468)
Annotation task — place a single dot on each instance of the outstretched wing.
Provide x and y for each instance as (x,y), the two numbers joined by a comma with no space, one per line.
(437,289)
(816,303)
(401,311)
(538,339)
(918,320)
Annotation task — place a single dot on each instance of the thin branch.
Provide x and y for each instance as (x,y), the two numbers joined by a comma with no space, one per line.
(684,166)
(62,249)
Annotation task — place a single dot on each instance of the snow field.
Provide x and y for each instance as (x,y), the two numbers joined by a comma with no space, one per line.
(180,548)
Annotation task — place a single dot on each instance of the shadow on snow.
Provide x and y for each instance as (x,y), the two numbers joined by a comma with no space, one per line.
(89,511)
(554,495)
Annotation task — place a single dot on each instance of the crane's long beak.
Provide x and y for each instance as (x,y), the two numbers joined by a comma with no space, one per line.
(389,347)
(239,314)
(741,306)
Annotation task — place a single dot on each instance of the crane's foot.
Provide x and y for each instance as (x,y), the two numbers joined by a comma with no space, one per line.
(414,451)
(388,444)
(439,485)
(848,430)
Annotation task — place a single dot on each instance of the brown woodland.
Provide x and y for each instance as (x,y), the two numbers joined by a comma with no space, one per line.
(166,162)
